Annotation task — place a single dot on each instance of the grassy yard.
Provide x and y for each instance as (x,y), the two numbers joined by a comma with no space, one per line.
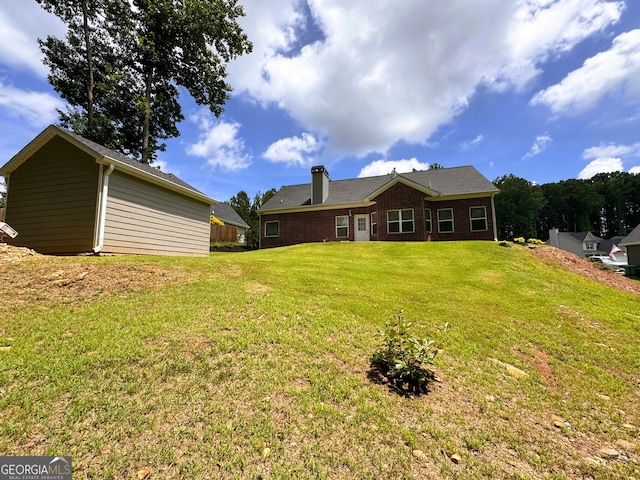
(255,365)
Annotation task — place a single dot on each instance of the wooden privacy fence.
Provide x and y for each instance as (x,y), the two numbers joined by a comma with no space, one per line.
(223,233)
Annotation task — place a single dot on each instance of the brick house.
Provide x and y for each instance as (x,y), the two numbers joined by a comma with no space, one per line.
(433,205)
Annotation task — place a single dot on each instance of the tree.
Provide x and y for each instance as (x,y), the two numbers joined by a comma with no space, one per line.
(78,65)
(141,51)
(248,211)
(3,194)
(518,207)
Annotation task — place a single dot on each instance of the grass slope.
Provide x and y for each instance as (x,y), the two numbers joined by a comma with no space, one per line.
(257,368)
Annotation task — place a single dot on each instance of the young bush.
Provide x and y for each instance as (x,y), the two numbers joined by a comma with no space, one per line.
(401,358)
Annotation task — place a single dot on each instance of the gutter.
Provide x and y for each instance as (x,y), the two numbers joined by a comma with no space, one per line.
(102,210)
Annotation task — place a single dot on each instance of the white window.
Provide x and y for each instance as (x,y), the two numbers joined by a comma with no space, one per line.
(342,226)
(427,220)
(400,221)
(478,216)
(374,223)
(445,220)
(362,224)
(271,229)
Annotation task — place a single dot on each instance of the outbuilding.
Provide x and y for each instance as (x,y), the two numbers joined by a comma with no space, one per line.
(69,195)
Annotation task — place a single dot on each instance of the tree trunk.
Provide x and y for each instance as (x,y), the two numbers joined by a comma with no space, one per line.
(87,41)
(147,117)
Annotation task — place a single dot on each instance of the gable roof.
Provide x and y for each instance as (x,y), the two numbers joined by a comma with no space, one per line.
(443,182)
(226,213)
(105,156)
(581,236)
(633,238)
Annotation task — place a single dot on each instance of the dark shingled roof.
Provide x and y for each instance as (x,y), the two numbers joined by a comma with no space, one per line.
(226,213)
(169,180)
(107,152)
(443,182)
(633,238)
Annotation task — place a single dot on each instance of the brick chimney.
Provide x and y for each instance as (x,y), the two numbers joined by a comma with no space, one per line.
(319,185)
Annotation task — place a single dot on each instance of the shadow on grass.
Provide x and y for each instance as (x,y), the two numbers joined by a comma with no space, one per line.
(419,383)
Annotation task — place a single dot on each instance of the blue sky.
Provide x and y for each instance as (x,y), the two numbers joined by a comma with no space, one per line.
(546,90)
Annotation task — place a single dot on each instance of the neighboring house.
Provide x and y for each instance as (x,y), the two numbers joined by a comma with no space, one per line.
(632,244)
(68,195)
(585,244)
(225,213)
(440,204)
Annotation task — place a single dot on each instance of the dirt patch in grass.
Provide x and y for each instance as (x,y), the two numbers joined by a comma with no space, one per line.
(584,267)
(28,278)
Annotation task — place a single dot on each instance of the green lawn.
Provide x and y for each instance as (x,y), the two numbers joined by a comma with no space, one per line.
(255,365)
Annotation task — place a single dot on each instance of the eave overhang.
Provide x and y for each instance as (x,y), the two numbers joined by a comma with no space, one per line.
(316,208)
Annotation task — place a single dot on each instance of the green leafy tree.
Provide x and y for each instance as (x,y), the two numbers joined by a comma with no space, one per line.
(518,207)
(248,211)
(79,66)
(136,54)
(3,194)
(170,44)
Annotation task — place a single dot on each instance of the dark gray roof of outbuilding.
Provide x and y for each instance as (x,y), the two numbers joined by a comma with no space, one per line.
(226,213)
(107,152)
(445,182)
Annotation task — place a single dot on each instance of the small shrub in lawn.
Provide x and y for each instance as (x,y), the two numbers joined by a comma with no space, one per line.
(401,358)
(519,240)
(535,241)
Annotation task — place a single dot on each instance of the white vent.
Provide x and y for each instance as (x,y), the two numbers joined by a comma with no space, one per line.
(5,229)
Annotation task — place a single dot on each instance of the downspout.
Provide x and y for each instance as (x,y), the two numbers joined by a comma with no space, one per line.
(493,215)
(259,231)
(102,210)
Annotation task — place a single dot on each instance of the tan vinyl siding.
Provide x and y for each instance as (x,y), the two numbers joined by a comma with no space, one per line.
(146,219)
(52,199)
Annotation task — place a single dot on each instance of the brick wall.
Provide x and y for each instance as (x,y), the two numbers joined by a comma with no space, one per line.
(307,227)
(461,219)
(320,226)
(400,197)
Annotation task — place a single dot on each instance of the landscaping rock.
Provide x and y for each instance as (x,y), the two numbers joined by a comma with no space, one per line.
(608,452)
(457,459)
(419,454)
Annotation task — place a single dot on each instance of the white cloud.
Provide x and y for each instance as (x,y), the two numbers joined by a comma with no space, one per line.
(36,108)
(384,167)
(614,71)
(21,24)
(293,150)
(382,72)
(219,144)
(541,142)
(612,150)
(472,143)
(601,165)
(635,170)
(609,158)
